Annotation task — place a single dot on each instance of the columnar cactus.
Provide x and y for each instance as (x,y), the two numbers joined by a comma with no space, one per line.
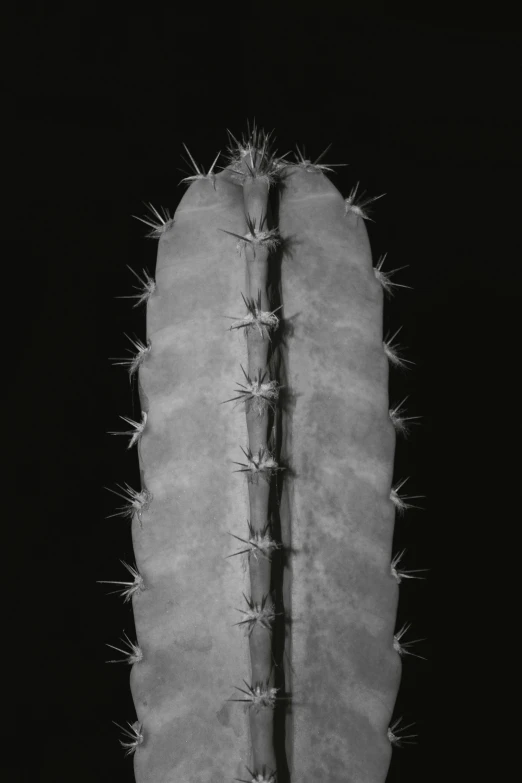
(266,449)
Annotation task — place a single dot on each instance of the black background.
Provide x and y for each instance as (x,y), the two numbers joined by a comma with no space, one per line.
(422,106)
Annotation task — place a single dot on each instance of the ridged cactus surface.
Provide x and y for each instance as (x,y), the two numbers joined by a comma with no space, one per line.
(266,600)
(336,508)
(193,654)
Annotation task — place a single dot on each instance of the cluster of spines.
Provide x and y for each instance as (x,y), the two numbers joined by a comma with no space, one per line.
(384,278)
(399,420)
(254,152)
(134,736)
(262,615)
(133,654)
(133,362)
(399,575)
(259,543)
(257,393)
(400,739)
(315,166)
(127,589)
(160,221)
(136,502)
(358,205)
(136,432)
(263,463)
(256,318)
(256,237)
(199,173)
(402,647)
(145,291)
(258,695)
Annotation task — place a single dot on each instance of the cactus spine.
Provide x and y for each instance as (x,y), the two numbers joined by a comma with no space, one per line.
(320,589)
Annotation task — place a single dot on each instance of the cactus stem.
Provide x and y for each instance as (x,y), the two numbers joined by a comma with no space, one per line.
(384,277)
(397,740)
(360,208)
(399,421)
(160,223)
(200,174)
(393,352)
(132,656)
(130,588)
(399,501)
(402,648)
(139,426)
(148,286)
(315,166)
(137,501)
(259,777)
(135,734)
(135,361)
(400,575)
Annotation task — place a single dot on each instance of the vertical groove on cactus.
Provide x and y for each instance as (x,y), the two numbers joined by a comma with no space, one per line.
(252,165)
(315,659)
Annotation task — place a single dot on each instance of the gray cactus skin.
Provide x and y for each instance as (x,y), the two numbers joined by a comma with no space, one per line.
(327,502)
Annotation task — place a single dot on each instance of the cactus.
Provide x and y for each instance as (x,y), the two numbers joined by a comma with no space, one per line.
(266,450)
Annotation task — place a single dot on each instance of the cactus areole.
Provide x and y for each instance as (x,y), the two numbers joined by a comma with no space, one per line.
(263,594)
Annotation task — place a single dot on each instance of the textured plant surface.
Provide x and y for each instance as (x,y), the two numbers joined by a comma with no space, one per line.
(265,588)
